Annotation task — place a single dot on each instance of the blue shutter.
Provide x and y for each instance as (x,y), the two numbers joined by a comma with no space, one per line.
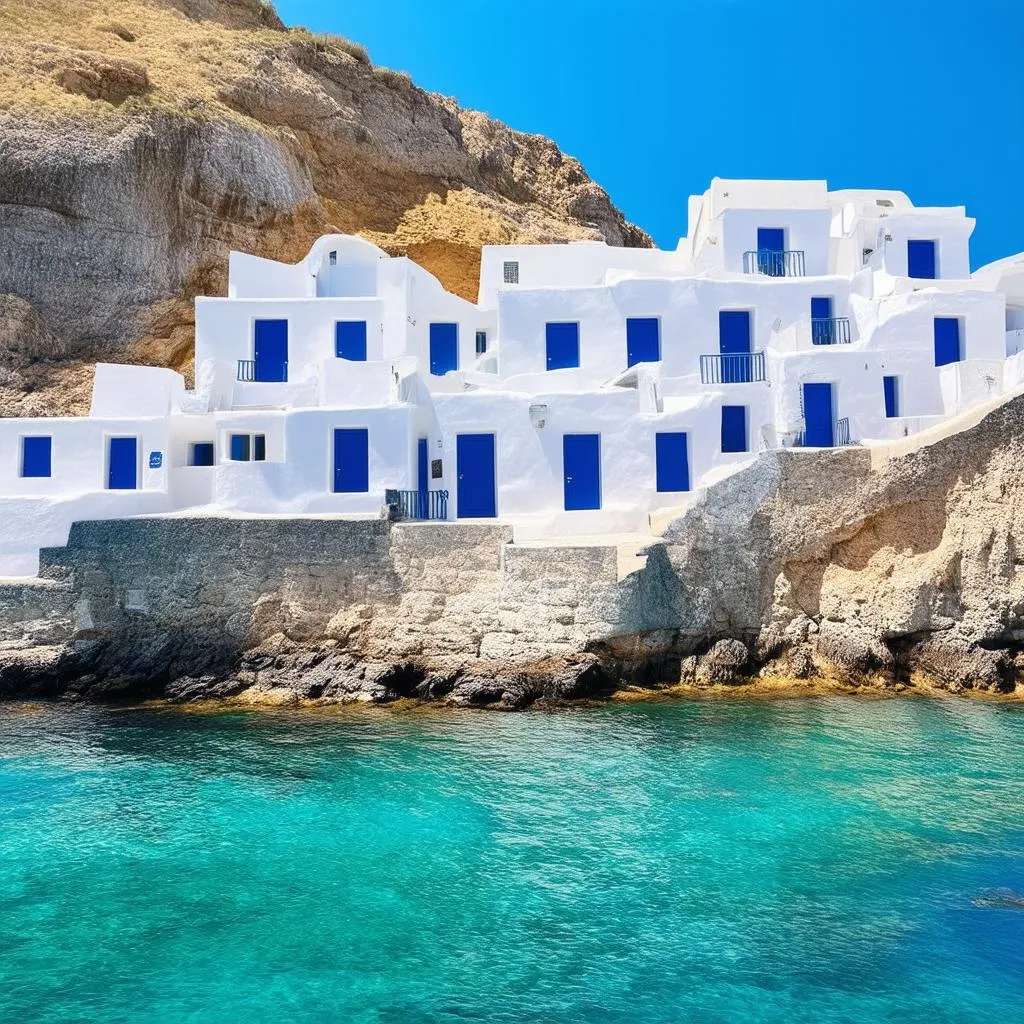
(350,340)
(890,385)
(240,448)
(734,428)
(947,340)
(643,342)
(202,453)
(35,456)
(921,260)
(563,345)
(672,462)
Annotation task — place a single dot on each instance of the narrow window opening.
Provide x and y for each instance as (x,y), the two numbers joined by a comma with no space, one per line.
(481,342)
(511,272)
(332,259)
(36,456)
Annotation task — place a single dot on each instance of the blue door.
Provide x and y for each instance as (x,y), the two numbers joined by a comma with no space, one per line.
(422,477)
(734,344)
(123,464)
(890,386)
(563,345)
(581,466)
(920,258)
(671,462)
(444,348)
(947,340)
(821,321)
(474,467)
(270,350)
(771,247)
(734,428)
(350,340)
(643,344)
(819,416)
(351,460)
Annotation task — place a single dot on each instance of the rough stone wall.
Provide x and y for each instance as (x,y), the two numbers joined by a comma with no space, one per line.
(862,565)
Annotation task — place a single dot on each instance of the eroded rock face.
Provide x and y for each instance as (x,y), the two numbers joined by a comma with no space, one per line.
(134,154)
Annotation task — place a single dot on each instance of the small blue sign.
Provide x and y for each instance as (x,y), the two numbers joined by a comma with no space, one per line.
(156,460)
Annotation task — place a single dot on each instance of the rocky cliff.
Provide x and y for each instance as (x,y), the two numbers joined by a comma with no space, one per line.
(862,568)
(140,142)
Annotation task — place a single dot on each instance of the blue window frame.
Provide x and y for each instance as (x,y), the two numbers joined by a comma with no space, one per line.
(202,454)
(240,448)
(643,340)
(947,340)
(563,345)
(891,387)
(734,428)
(36,456)
(350,340)
(921,261)
(672,463)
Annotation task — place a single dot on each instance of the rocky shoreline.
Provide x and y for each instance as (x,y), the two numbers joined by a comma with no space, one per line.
(863,568)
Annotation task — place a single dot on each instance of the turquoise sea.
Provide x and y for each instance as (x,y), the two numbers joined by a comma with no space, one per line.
(825,860)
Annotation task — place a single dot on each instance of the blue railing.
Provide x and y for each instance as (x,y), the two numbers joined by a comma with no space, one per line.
(774,262)
(732,368)
(417,504)
(832,330)
(840,436)
(247,372)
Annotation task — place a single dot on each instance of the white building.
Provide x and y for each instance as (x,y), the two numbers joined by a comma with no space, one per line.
(588,389)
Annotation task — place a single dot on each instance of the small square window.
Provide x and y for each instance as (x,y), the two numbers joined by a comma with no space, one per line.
(202,454)
(481,342)
(240,448)
(511,272)
(35,456)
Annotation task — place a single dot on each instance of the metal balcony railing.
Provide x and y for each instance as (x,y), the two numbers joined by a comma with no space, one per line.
(732,368)
(833,330)
(247,372)
(840,436)
(417,504)
(774,262)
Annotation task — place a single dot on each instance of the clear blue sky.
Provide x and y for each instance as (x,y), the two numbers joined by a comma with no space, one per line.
(656,97)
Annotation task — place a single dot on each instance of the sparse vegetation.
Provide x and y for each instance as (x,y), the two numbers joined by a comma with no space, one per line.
(401,80)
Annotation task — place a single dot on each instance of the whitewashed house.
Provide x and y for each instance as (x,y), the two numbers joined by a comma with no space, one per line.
(588,389)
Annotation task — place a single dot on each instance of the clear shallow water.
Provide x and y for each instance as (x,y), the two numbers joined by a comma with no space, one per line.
(811,860)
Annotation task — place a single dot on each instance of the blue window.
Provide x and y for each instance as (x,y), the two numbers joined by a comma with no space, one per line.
(444,348)
(891,386)
(481,342)
(734,428)
(672,464)
(202,454)
(259,447)
(563,345)
(947,340)
(351,460)
(643,340)
(35,456)
(921,260)
(240,448)
(350,340)
(270,350)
